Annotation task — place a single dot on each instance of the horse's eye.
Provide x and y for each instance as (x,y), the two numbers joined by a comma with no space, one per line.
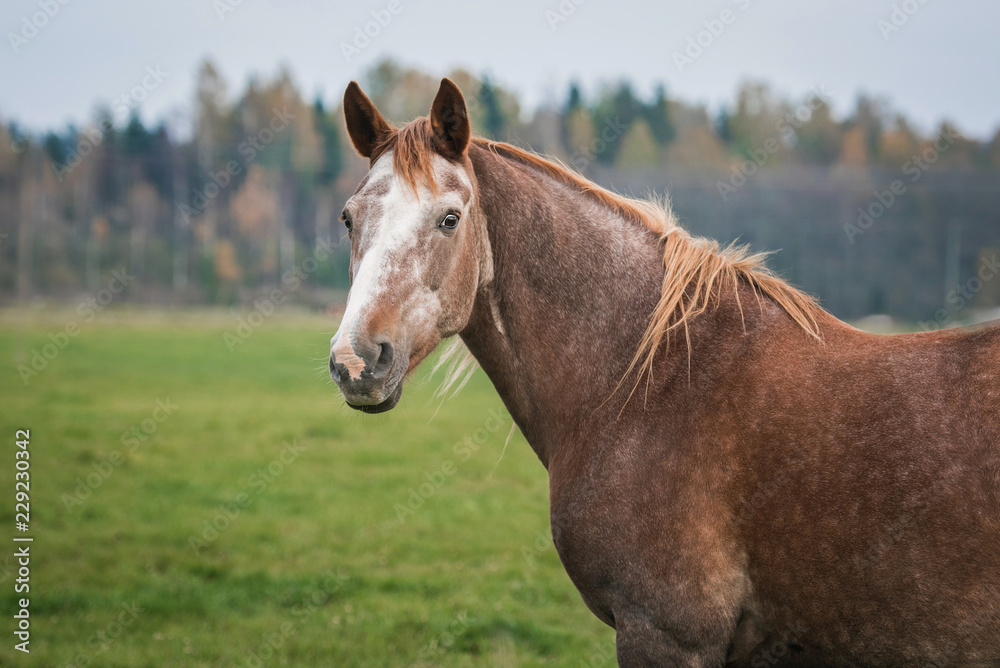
(449,222)
(347,220)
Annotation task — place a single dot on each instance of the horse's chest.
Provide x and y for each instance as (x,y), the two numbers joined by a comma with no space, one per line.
(588,546)
(625,547)
(605,545)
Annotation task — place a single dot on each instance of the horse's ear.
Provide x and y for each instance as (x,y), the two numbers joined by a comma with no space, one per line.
(365,125)
(450,121)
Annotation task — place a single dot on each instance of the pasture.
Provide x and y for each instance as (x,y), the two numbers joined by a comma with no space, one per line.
(193,505)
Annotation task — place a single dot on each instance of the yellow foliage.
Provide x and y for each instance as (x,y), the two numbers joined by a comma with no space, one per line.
(99,227)
(580,131)
(897,146)
(639,148)
(227,265)
(307,144)
(853,149)
(255,206)
(697,147)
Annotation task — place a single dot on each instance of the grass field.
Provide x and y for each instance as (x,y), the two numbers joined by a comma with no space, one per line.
(196,506)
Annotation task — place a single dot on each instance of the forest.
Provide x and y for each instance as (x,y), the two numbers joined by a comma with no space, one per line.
(865,211)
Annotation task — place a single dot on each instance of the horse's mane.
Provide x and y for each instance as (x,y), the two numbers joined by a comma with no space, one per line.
(696,270)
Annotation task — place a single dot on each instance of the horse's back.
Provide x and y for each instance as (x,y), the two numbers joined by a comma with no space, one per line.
(881,532)
(828,504)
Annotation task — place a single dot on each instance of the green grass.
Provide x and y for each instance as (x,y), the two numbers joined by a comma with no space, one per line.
(311,566)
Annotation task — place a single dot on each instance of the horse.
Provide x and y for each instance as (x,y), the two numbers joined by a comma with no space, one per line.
(736,477)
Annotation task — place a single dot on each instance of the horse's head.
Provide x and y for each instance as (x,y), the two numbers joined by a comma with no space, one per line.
(418,246)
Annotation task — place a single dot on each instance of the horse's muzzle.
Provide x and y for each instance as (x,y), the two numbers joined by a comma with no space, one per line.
(365,373)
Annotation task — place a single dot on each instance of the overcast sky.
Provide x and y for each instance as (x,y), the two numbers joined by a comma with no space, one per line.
(943,61)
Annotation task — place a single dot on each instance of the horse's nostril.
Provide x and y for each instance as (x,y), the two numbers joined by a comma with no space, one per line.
(334,371)
(384,361)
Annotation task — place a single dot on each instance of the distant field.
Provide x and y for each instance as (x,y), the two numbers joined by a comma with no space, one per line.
(193,506)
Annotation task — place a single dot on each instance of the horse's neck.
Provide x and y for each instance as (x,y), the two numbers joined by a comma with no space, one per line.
(574,286)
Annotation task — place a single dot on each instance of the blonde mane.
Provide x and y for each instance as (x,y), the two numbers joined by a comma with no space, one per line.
(696,270)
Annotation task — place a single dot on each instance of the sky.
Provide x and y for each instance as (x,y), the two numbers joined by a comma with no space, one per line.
(930,59)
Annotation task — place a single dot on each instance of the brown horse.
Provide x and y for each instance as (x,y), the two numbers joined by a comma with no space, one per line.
(736,476)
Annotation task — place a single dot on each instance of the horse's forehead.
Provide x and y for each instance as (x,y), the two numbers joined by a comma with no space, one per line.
(377,183)
(451,178)
(382,184)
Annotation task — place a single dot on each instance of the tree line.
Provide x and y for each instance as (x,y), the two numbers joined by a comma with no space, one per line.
(869,213)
